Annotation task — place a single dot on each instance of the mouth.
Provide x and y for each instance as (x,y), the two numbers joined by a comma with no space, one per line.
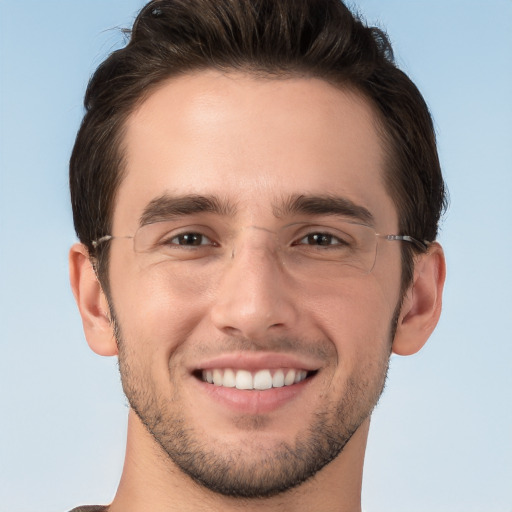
(254,383)
(260,380)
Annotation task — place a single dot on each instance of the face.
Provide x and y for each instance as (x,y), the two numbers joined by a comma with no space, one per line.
(250,345)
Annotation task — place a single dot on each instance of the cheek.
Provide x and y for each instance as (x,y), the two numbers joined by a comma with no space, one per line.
(156,311)
(356,316)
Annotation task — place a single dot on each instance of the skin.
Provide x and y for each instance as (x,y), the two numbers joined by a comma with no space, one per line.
(251,142)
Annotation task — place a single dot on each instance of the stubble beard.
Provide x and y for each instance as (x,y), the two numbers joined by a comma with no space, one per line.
(231,471)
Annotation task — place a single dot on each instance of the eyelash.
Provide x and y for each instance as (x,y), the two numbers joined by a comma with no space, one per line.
(303,240)
(169,240)
(311,237)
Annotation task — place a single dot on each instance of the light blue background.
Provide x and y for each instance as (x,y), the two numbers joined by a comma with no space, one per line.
(441,437)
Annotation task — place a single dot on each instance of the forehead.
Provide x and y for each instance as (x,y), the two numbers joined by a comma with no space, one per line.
(252,142)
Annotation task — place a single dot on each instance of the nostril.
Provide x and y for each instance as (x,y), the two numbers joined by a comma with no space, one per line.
(231,331)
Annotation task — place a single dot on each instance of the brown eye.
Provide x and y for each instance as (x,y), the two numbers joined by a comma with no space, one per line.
(189,240)
(321,240)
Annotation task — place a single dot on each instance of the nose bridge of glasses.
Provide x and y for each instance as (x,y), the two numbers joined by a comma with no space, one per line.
(256,240)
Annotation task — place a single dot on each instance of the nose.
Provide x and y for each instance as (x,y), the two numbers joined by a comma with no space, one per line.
(254,297)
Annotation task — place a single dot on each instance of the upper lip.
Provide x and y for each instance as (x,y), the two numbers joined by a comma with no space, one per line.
(254,361)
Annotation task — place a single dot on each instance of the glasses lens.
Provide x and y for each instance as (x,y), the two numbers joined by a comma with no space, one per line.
(336,246)
(165,238)
(340,247)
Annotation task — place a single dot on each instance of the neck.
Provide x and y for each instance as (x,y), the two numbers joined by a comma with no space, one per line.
(150,481)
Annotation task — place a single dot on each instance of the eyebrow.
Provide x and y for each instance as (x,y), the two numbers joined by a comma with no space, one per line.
(168,207)
(324,205)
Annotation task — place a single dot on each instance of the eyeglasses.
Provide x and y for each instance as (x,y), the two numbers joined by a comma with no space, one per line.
(350,245)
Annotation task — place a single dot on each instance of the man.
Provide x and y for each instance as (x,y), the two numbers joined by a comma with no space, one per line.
(256,190)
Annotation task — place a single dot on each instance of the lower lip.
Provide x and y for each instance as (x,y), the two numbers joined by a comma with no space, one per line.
(254,401)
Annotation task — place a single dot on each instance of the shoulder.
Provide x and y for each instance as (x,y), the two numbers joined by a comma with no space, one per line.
(90,508)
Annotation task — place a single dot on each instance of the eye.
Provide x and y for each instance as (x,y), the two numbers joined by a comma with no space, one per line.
(189,240)
(322,240)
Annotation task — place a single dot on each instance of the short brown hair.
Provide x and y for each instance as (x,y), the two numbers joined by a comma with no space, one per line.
(318,38)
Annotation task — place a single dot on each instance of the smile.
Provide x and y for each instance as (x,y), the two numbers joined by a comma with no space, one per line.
(259,380)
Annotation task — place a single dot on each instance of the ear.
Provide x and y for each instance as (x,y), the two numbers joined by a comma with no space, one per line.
(422,304)
(91,302)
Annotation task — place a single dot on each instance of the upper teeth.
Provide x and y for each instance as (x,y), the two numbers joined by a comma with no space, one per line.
(262,379)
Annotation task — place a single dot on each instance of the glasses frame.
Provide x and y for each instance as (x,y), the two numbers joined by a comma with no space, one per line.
(422,245)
